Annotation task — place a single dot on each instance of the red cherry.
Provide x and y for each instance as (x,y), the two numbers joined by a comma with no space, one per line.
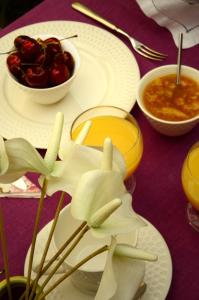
(30,50)
(40,64)
(36,77)
(53,46)
(58,74)
(69,61)
(14,64)
(40,59)
(20,39)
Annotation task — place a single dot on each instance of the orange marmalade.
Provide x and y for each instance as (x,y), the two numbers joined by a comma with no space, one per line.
(168,101)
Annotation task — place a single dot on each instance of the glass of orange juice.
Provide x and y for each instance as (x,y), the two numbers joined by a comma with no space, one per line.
(190,183)
(121,127)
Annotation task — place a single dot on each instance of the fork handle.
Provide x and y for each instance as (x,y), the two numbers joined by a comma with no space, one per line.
(88,12)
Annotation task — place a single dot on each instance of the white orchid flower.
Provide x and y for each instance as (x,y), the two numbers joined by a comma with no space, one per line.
(18,156)
(124,264)
(76,160)
(101,199)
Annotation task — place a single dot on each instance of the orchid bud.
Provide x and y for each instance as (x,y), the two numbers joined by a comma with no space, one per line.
(54,144)
(131,252)
(104,212)
(107,158)
(83,133)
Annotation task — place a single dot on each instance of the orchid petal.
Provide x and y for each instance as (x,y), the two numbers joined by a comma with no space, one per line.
(107,158)
(108,284)
(22,158)
(118,272)
(119,163)
(76,160)
(4,163)
(122,220)
(67,147)
(127,270)
(95,189)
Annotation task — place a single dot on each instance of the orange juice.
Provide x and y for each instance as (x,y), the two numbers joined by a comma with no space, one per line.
(124,134)
(190,177)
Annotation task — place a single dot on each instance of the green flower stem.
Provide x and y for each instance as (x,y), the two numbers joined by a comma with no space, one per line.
(59,207)
(72,270)
(63,247)
(35,231)
(52,273)
(53,146)
(59,252)
(5,254)
(82,225)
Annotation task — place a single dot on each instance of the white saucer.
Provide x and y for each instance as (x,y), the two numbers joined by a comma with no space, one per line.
(158,274)
(108,75)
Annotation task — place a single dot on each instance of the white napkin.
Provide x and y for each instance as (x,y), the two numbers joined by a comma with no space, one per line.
(177,16)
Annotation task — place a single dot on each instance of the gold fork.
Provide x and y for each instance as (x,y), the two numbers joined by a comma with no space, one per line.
(137,46)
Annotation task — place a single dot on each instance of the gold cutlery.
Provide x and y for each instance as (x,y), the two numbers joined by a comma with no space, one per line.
(140,291)
(137,46)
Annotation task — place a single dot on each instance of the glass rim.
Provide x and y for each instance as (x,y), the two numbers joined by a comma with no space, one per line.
(187,162)
(129,115)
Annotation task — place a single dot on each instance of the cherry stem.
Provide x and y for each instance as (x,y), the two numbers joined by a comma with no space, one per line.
(30,64)
(69,37)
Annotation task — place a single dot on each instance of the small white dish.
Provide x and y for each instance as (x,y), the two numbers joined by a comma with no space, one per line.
(158,274)
(108,75)
(88,276)
(54,94)
(170,128)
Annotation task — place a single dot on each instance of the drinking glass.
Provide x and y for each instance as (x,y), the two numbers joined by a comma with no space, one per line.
(121,127)
(190,183)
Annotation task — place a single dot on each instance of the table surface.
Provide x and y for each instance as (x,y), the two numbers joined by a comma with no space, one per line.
(158,196)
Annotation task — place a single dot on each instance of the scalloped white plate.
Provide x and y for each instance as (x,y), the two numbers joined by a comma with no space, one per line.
(108,74)
(158,274)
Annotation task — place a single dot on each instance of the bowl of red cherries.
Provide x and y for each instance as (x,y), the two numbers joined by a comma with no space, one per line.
(44,67)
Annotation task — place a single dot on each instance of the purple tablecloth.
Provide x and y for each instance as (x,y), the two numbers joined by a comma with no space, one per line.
(158,196)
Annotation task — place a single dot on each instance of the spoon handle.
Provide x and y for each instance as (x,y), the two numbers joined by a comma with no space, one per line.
(179,60)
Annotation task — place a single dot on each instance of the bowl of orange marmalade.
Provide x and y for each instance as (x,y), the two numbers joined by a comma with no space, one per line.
(170,108)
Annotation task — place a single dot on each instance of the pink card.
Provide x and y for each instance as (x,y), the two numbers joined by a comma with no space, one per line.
(21,188)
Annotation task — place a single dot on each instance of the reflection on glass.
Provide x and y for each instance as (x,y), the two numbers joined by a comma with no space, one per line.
(190,182)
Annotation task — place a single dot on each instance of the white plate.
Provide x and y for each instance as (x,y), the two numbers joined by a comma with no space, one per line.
(108,75)
(158,274)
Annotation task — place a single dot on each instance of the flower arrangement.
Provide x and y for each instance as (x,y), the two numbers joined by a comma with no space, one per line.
(95,181)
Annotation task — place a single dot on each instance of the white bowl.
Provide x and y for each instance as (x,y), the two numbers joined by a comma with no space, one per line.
(53,94)
(88,276)
(170,128)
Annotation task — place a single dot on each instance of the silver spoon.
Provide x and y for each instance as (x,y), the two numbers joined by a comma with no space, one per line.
(179,60)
